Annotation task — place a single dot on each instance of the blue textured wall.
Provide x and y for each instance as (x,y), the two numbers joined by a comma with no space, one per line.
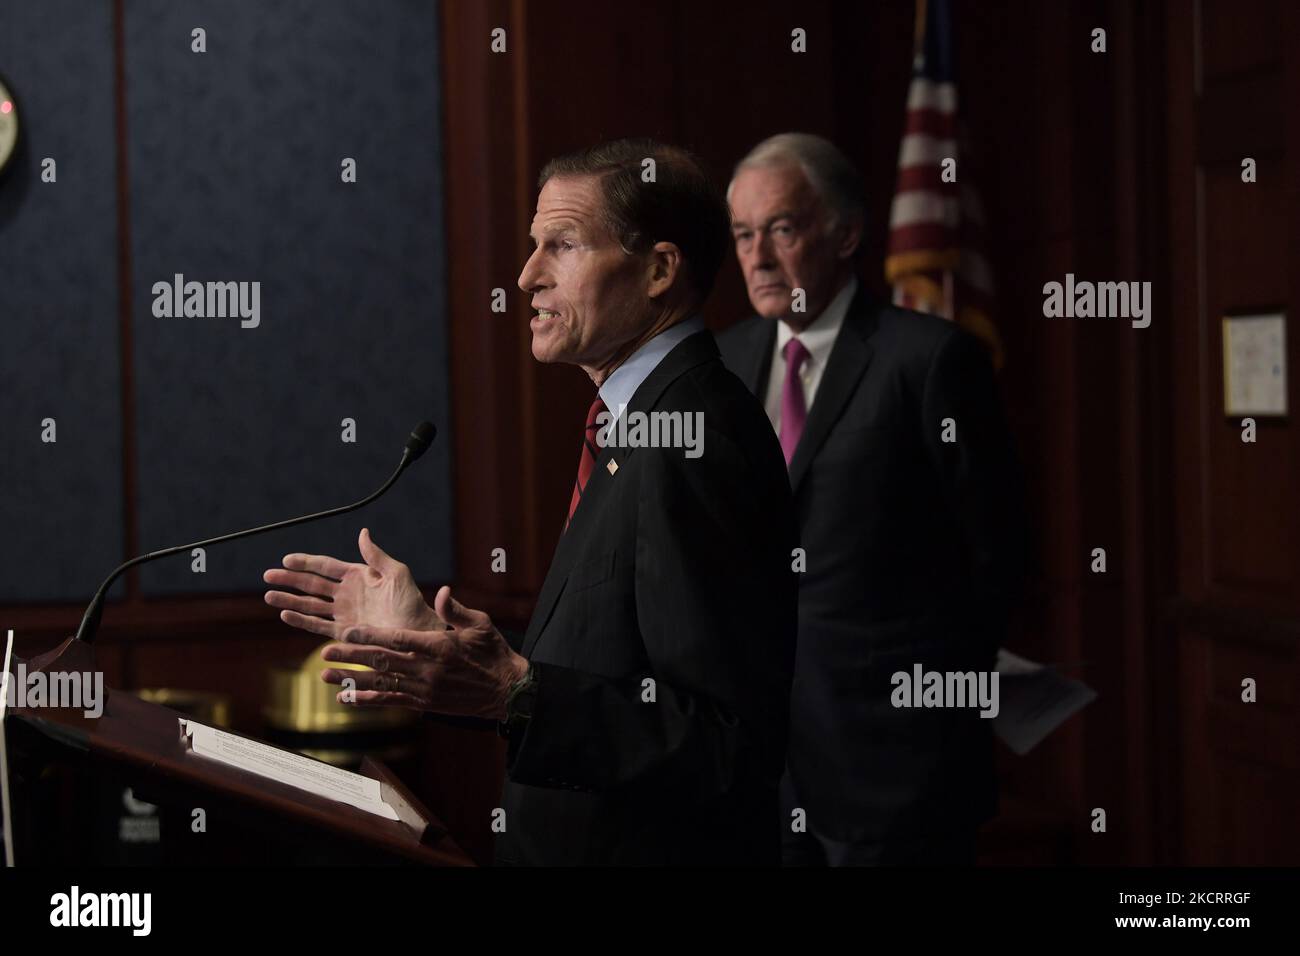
(234,171)
(61,505)
(235,175)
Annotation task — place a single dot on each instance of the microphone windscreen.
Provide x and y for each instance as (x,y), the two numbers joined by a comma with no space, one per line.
(422,436)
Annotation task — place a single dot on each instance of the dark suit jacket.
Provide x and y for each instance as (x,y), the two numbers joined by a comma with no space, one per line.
(914,550)
(674,569)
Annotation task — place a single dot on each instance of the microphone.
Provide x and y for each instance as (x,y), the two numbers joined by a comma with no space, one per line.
(417,444)
(422,436)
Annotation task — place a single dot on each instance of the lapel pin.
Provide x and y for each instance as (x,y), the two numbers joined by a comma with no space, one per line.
(612,465)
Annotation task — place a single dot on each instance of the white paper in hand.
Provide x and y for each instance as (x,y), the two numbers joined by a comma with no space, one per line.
(1035,700)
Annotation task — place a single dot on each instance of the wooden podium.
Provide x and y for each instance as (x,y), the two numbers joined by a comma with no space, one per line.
(57,756)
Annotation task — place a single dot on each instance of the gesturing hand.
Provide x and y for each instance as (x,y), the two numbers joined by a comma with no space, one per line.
(465,671)
(337,595)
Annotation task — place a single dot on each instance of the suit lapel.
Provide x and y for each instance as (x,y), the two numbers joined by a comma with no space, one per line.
(848,360)
(756,366)
(571,541)
(690,352)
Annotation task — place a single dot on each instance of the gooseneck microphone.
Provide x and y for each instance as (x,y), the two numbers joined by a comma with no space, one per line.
(416,445)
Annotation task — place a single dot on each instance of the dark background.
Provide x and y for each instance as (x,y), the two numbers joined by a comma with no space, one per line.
(1116,166)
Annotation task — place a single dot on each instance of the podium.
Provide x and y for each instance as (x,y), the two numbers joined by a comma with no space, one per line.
(58,757)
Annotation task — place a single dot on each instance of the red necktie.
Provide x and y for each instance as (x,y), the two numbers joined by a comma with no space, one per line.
(589,455)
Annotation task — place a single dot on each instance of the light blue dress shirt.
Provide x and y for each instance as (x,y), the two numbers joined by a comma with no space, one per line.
(627,378)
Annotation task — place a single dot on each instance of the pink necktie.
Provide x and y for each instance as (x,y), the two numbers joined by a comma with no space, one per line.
(793,411)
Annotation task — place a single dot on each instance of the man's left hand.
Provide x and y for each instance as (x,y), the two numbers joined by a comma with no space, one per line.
(465,671)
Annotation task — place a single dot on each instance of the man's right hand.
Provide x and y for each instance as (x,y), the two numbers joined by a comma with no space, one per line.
(337,595)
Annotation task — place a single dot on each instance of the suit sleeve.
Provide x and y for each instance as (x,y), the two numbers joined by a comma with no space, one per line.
(716,603)
(978,470)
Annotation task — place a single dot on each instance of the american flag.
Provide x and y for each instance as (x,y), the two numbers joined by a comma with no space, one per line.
(935,262)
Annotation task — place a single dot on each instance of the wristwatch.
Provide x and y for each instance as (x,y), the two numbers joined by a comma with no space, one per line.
(519,705)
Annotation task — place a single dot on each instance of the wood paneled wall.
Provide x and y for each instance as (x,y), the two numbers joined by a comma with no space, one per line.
(1234,68)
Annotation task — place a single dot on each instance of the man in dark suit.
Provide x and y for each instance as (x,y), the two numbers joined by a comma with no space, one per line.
(906,488)
(647,712)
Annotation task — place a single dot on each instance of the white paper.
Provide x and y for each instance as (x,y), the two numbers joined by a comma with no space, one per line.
(294,769)
(4,754)
(1034,700)
(1254,360)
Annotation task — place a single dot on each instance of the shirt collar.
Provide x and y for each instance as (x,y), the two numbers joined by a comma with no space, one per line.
(819,337)
(627,378)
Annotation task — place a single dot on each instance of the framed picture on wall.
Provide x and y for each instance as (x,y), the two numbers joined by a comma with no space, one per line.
(1254,364)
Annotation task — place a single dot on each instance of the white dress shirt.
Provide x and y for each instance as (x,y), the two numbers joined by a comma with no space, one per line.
(818,338)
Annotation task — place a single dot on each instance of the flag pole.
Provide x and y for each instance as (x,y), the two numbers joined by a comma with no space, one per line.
(918,36)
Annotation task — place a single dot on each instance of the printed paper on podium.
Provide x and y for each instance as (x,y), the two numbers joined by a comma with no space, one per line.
(286,767)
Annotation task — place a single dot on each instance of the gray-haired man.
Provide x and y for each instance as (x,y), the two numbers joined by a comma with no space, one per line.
(913,542)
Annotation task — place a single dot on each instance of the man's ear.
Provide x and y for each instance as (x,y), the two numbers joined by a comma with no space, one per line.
(665,270)
(848,236)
